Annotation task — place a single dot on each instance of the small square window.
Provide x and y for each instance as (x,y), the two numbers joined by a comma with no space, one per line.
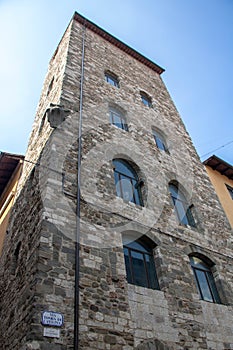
(112,79)
(117,119)
(230,190)
(146,100)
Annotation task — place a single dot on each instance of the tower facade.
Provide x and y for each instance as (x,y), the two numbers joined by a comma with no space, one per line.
(155,248)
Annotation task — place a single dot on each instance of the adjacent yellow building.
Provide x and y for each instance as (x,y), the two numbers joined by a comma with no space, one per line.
(221,176)
(10,171)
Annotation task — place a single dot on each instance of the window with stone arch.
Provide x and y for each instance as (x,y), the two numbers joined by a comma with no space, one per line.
(118,119)
(112,79)
(202,268)
(182,207)
(127,182)
(139,262)
(160,140)
(146,99)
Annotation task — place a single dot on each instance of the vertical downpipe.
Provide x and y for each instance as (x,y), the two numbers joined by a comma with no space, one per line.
(77,242)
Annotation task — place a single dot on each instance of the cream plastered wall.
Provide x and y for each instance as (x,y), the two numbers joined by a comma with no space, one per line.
(7,202)
(219,182)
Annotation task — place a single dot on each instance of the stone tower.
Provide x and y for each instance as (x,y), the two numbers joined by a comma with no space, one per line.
(155,248)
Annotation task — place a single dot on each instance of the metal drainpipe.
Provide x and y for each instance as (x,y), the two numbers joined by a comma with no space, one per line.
(77,242)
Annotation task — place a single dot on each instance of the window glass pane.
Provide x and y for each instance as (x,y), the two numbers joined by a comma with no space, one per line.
(173,190)
(125,125)
(203,285)
(127,188)
(196,262)
(153,281)
(176,193)
(127,265)
(146,100)
(213,287)
(122,168)
(137,246)
(137,199)
(182,207)
(181,212)
(140,265)
(139,271)
(118,120)
(205,280)
(126,181)
(112,80)
(118,184)
(190,217)
(160,144)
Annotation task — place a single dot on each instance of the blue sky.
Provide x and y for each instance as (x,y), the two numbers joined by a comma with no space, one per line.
(191,39)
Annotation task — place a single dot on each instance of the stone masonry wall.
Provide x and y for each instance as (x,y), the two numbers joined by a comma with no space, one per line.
(175,314)
(50,95)
(19,267)
(114,315)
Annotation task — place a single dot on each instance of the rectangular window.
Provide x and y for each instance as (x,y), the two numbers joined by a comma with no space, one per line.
(118,120)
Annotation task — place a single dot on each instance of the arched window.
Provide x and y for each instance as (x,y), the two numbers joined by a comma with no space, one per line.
(146,100)
(117,119)
(127,182)
(112,79)
(159,140)
(139,263)
(204,280)
(182,207)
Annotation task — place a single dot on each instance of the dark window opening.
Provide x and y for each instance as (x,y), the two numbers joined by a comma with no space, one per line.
(182,207)
(140,266)
(204,280)
(128,185)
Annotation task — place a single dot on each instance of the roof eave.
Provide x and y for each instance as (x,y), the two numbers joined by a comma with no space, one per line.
(118,43)
(219,165)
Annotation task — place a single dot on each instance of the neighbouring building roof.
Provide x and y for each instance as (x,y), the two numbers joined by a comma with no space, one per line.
(113,40)
(220,165)
(8,164)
